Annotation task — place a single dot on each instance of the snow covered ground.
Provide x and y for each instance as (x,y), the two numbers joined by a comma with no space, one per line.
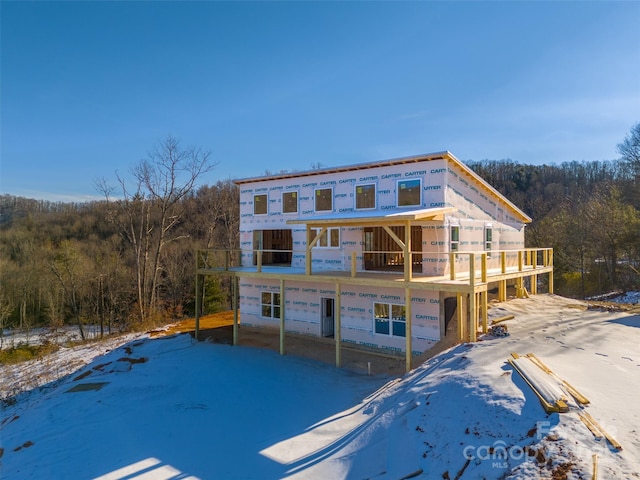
(629,297)
(172,408)
(37,336)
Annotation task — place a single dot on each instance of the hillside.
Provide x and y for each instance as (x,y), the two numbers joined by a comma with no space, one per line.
(172,408)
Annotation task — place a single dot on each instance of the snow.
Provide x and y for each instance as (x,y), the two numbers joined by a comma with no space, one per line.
(629,297)
(173,408)
(37,336)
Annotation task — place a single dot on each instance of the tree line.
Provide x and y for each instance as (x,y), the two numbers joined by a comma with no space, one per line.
(128,261)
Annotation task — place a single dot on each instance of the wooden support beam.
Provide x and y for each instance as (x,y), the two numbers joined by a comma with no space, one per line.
(307,259)
(459,317)
(405,246)
(485,311)
(483,273)
(408,328)
(503,261)
(198,307)
(534,284)
(502,291)
(472,269)
(235,294)
(408,258)
(337,331)
(473,317)
(282,309)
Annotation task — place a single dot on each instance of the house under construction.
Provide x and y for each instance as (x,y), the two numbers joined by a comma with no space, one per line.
(383,256)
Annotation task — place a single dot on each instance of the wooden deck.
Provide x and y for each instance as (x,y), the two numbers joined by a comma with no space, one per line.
(474,278)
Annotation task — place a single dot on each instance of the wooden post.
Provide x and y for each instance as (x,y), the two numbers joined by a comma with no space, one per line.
(235,310)
(502,290)
(472,269)
(408,261)
(503,261)
(337,331)
(473,316)
(519,260)
(551,272)
(282,304)
(483,274)
(198,301)
(534,284)
(408,330)
(307,260)
(459,317)
(485,311)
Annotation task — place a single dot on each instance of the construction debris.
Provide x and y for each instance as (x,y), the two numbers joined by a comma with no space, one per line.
(498,331)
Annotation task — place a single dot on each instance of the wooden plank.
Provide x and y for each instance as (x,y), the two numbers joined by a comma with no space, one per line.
(502,319)
(548,407)
(592,428)
(570,388)
(588,419)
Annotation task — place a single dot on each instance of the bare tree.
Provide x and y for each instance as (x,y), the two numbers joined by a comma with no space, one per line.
(629,148)
(69,268)
(148,214)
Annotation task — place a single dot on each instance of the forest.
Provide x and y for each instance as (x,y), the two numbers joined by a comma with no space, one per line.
(128,262)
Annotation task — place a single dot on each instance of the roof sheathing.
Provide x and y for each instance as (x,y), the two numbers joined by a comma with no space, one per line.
(446,155)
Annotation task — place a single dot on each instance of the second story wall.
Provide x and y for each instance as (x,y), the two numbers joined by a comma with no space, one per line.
(382,189)
(484,219)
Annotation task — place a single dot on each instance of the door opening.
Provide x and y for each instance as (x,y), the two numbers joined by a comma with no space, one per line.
(450,306)
(327,313)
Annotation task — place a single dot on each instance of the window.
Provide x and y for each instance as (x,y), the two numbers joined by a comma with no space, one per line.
(290,202)
(324,199)
(366,196)
(329,239)
(390,319)
(409,192)
(488,238)
(454,238)
(260,204)
(271,304)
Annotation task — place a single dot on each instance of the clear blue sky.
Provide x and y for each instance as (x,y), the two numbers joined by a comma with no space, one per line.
(87,88)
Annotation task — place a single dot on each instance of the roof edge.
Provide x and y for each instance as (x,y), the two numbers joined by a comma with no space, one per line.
(346,168)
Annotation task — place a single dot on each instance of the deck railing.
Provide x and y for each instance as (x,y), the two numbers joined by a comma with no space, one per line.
(480,265)
(473,266)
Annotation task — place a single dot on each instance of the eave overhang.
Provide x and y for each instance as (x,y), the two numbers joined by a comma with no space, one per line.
(366,219)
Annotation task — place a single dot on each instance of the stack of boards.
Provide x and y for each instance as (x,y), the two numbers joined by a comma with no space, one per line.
(556,394)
